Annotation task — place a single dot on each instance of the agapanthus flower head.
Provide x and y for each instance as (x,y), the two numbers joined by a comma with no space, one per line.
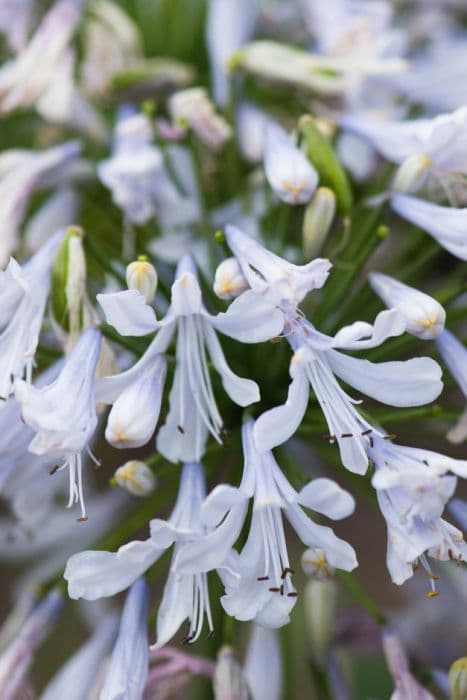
(63,413)
(193,409)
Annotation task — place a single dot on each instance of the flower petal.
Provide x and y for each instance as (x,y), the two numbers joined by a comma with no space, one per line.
(249,319)
(128,312)
(362,335)
(326,497)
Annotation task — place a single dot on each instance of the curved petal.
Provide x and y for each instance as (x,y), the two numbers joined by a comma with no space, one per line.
(326,497)
(409,383)
(175,608)
(92,574)
(279,424)
(221,499)
(249,319)
(128,312)
(362,335)
(241,390)
(186,295)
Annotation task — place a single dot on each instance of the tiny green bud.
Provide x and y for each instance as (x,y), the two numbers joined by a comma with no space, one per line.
(219,235)
(317,221)
(458,679)
(382,231)
(412,173)
(142,276)
(135,477)
(229,681)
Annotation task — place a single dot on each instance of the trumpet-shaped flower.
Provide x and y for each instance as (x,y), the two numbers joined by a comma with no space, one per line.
(413,487)
(443,139)
(193,409)
(258,583)
(288,170)
(93,574)
(128,668)
(24,295)
(317,359)
(454,355)
(406,687)
(63,413)
(447,225)
(424,315)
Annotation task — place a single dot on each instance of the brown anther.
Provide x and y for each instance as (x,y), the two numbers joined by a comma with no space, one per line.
(82,519)
(276,340)
(371,441)
(432,594)
(54,469)
(180,429)
(274,590)
(367,432)
(210,635)
(286,571)
(262,578)
(346,435)
(432,577)
(450,554)
(281,589)
(292,594)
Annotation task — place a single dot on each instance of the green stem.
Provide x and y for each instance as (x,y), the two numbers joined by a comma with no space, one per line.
(361,596)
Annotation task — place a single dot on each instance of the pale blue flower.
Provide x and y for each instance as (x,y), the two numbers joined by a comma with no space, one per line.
(288,170)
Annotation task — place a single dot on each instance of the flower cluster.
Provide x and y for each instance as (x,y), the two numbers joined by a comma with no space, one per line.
(196,284)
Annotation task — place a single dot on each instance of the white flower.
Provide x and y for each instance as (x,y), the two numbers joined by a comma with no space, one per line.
(21,174)
(23,296)
(133,171)
(406,687)
(142,276)
(229,281)
(63,413)
(230,23)
(442,140)
(447,225)
(76,678)
(316,359)
(128,668)
(258,581)
(251,126)
(194,108)
(93,574)
(413,488)
(16,660)
(193,409)
(454,355)
(424,316)
(288,170)
(24,78)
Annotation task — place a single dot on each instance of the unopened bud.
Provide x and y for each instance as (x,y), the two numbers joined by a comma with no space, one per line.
(458,679)
(142,276)
(69,284)
(317,221)
(316,565)
(229,682)
(136,477)
(411,175)
(320,610)
(229,280)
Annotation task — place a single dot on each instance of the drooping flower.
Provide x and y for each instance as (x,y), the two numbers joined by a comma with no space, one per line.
(128,668)
(424,315)
(413,487)
(63,413)
(93,574)
(193,408)
(21,174)
(24,295)
(288,170)
(316,359)
(258,583)
(24,78)
(454,355)
(447,225)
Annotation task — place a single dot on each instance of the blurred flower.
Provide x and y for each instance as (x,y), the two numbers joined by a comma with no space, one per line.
(458,679)
(454,355)
(229,281)
(193,108)
(406,687)
(136,477)
(317,221)
(229,682)
(16,17)
(142,276)
(263,664)
(288,170)
(58,212)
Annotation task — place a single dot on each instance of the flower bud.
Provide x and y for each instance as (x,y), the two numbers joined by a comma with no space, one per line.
(229,281)
(458,679)
(142,276)
(136,477)
(320,611)
(315,564)
(317,221)
(229,681)
(412,173)
(69,284)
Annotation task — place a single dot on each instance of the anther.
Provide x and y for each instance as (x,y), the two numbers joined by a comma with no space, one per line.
(391,436)
(432,594)
(367,432)
(276,340)
(286,571)
(82,519)
(262,578)
(292,594)
(274,590)
(281,589)
(180,429)
(54,469)
(346,435)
